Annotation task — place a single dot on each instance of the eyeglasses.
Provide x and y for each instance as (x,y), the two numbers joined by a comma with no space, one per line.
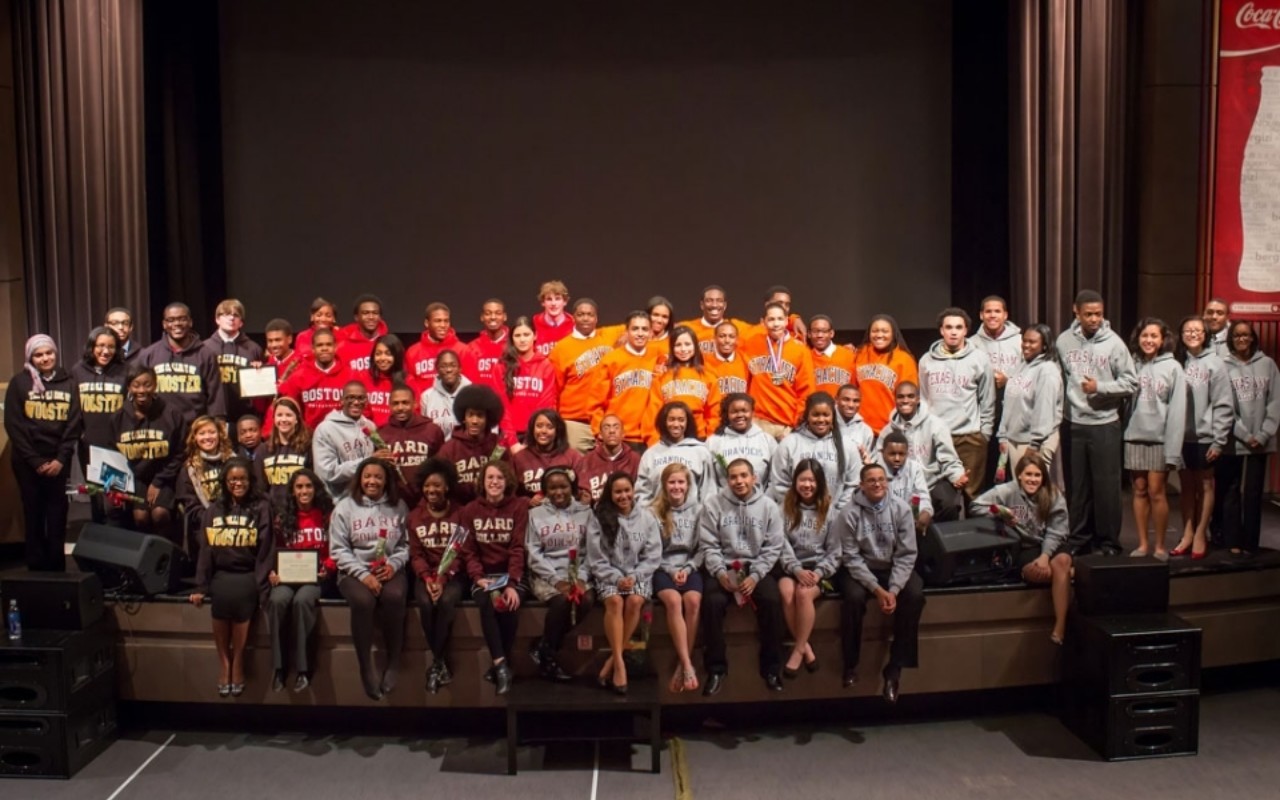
(1242,336)
(352,398)
(231,480)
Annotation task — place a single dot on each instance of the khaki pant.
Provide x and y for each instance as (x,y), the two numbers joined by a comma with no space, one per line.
(772,428)
(1048,452)
(580,436)
(972,449)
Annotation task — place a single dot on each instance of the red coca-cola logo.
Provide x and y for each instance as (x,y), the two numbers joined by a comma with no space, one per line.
(1250,16)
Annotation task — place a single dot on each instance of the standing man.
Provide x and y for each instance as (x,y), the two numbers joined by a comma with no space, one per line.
(575,359)
(1000,339)
(1098,374)
(437,402)
(186,372)
(713,305)
(1216,326)
(725,364)
(280,352)
(610,455)
(623,383)
(553,324)
(832,365)
(412,439)
(120,320)
(233,351)
(438,335)
(317,384)
(355,341)
(957,382)
(482,358)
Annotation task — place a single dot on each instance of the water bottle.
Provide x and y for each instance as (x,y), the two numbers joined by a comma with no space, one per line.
(14,620)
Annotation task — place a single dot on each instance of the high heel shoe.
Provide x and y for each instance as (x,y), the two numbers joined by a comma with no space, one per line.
(618,690)
(224,690)
(811,666)
(789,673)
(237,689)
(1181,550)
(1198,556)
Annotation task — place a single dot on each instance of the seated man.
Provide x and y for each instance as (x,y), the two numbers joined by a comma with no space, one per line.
(740,531)
(878,546)
(929,441)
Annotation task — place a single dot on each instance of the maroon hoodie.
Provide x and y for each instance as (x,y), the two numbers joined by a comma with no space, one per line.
(531,462)
(597,466)
(495,545)
(469,457)
(411,442)
(429,535)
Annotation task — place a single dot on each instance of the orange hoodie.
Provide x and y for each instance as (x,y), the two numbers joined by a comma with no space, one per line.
(706,334)
(779,391)
(575,359)
(731,376)
(699,391)
(830,372)
(878,375)
(623,385)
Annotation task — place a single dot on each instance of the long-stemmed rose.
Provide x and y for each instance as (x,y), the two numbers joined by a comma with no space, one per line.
(740,574)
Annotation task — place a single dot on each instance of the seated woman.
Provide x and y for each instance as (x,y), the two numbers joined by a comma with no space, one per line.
(624,550)
(286,450)
(433,524)
(497,523)
(674,424)
(235,560)
(208,447)
(678,581)
(1038,512)
(148,432)
(546,445)
(738,436)
(810,555)
(819,440)
(556,544)
(302,524)
(368,544)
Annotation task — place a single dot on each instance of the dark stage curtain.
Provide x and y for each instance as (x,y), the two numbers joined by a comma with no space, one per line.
(1070,199)
(81,173)
(184,159)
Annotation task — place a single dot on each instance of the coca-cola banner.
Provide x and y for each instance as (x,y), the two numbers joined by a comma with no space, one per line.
(1246,223)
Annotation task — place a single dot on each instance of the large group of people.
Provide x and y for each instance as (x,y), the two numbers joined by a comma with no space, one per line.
(704,464)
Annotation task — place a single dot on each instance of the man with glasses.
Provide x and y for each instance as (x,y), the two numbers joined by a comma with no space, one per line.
(120,320)
(343,440)
(186,372)
(877,536)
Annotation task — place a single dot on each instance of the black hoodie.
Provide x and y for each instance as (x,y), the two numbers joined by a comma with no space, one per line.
(101,395)
(231,357)
(154,445)
(46,426)
(188,378)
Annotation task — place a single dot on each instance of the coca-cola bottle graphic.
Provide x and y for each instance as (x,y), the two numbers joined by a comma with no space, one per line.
(1260,193)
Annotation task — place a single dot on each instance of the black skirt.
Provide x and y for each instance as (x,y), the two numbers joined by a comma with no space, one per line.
(235,596)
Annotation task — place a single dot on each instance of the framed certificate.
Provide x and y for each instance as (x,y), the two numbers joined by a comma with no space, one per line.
(298,566)
(260,382)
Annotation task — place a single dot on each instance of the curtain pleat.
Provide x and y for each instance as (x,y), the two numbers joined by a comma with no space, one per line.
(81,178)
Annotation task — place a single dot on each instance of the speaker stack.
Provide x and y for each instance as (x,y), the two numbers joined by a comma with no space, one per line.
(1131,670)
(58,682)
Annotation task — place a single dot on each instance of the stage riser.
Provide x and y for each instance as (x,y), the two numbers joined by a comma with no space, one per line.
(969,641)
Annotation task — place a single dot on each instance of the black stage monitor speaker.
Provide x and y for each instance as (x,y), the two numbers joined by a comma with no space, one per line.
(128,560)
(1107,585)
(965,552)
(63,601)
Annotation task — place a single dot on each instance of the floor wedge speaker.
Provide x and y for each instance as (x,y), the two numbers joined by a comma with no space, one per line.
(129,561)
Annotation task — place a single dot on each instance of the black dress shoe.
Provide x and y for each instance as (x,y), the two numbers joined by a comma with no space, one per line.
(549,669)
(502,677)
(433,679)
(715,682)
(389,678)
(488,675)
(850,678)
(446,677)
(773,682)
(301,683)
(811,666)
(535,651)
(277,681)
(890,690)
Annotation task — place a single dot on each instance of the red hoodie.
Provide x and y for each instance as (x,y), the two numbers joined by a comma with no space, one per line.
(531,462)
(547,334)
(597,466)
(482,361)
(317,391)
(378,408)
(535,389)
(495,545)
(411,442)
(420,358)
(312,533)
(354,349)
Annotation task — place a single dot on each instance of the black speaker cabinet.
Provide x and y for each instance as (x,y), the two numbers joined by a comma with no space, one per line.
(1107,585)
(967,551)
(54,745)
(1131,726)
(55,671)
(128,560)
(67,601)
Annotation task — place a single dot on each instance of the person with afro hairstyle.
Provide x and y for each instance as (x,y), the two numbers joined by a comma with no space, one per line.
(475,441)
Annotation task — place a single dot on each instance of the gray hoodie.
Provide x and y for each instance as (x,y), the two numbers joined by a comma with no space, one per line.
(355,527)
(802,443)
(810,545)
(1032,403)
(1220,341)
(750,531)
(553,532)
(436,404)
(929,443)
(690,452)
(680,550)
(874,538)
(1257,402)
(339,445)
(908,482)
(1158,409)
(1106,359)
(856,434)
(1209,408)
(636,552)
(1048,535)
(1004,349)
(960,388)
(755,446)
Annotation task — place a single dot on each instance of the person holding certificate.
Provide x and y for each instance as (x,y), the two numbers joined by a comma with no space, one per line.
(235,560)
(303,574)
(368,545)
